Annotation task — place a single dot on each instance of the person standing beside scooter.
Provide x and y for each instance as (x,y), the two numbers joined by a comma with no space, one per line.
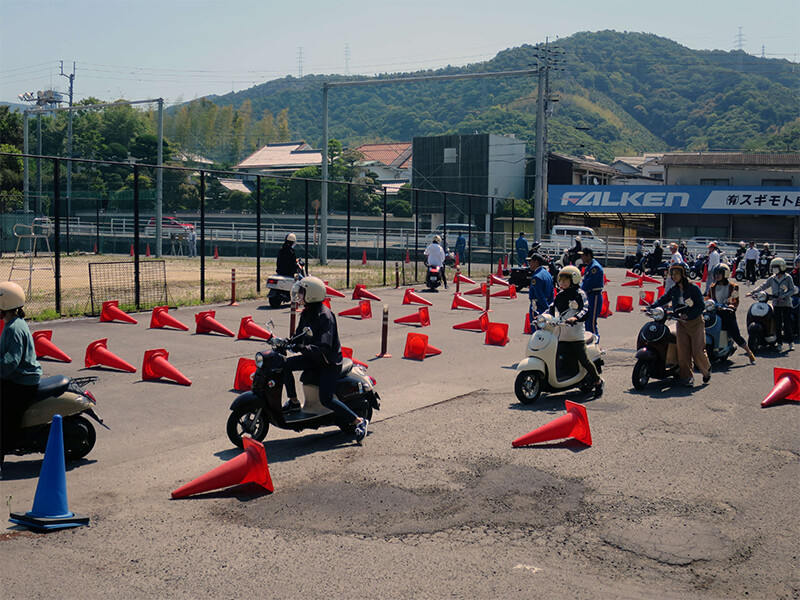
(713,261)
(434,254)
(675,258)
(540,291)
(690,331)
(522,249)
(750,261)
(725,292)
(592,285)
(572,306)
(782,289)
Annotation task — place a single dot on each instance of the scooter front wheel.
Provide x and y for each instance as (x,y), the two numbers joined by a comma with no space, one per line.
(79,438)
(641,374)
(244,421)
(528,387)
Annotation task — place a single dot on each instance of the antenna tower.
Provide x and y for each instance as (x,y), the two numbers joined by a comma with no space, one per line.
(347,59)
(300,62)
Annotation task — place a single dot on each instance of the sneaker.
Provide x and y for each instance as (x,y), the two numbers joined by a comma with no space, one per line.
(361,430)
(688,382)
(791,346)
(707,378)
(598,389)
(291,407)
(779,347)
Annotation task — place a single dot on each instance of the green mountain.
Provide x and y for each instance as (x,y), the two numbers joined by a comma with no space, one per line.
(617,94)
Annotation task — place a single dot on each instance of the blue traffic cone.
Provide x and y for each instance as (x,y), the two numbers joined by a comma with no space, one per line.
(50,510)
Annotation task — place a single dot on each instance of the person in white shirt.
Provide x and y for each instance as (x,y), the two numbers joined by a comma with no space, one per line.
(750,260)
(434,256)
(713,261)
(674,259)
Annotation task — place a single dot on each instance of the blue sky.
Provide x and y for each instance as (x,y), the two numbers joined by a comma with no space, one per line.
(183,49)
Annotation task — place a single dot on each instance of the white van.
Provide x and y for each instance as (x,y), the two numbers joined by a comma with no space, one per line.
(562,237)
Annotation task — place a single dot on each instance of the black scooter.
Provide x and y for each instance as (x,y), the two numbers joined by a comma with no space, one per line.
(656,348)
(762,328)
(434,277)
(762,267)
(252,412)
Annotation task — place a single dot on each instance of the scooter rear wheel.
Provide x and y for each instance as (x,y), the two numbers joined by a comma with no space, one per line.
(244,421)
(528,387)
(641,374)
(79,438)
(275,301)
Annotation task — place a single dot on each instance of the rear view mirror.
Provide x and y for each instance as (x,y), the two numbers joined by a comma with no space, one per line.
(307,332)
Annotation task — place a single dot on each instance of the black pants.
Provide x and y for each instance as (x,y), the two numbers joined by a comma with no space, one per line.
(328,376)
(783,323)
(14,400)
(750,270)
(578,350)
(730,325)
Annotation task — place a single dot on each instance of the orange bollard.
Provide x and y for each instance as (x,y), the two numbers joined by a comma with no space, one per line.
(384,334)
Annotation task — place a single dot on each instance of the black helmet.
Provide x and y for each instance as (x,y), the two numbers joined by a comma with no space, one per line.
(538,258)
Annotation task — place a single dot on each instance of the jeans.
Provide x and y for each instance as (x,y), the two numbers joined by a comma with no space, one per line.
(595,306)
(328,376)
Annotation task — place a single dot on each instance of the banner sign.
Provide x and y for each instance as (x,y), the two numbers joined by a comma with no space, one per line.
(688,199)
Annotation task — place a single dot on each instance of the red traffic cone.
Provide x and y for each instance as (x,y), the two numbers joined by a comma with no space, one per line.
(575,424)
(705,273)
(45,348)
(630,274)
(332,292)
(478,291)
(327,302)
(633,283)
(131,249)
(460,302)
(362,293)
(248,329)
(458,262)
(648,279)
(98,354)
(418,348)
(787,387)
(660,291)
(155,366)
(112,312)
(411,296)
(605,310)
(505,263)
(408,257)
(348,353)
(243,380)
(161,318)
(364,258)
(147,251)
(499,267)
(509,292)
(206,323)
(462,279)
(421,316)
(216,252)
(646,298)
(479,324)
(496,334)
(605,280)
(249,467)
(497,280)
(363,310)
(527,329)
(95,247)
(624,303)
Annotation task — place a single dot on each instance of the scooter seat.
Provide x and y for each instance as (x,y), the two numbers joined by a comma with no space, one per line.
(312,377)
(52,386)
(588,337)
(347,366)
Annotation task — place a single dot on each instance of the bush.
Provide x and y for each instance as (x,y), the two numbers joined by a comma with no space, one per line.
(400,208)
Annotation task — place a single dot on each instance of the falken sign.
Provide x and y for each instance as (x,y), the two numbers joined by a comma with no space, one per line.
(690,199)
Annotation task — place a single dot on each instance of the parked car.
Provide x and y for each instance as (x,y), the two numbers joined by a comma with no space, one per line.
(170,226)
(562,237)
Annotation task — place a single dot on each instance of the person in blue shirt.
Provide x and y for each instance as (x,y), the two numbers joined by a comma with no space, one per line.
(592,285)
(461,248)
(541,291)
(522,249)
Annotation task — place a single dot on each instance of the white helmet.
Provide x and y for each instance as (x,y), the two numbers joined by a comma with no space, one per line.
(572,272)
(314,289)
(12,296)
(291,238)
(437,239)
(778,263)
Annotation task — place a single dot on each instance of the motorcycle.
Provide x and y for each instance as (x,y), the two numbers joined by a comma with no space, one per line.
(545,369)
(719,346)
(60,395)
(762,328)
(656,348)
(252,412)
(645,266)
(280,286)
(434,277)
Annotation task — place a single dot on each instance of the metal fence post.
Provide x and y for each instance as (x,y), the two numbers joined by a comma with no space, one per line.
(384,236)
(258,234)
(347,250)
(202,236)
(491,236)
(416,232)
(305,240)
(136,281)
(469,236)
(57,241)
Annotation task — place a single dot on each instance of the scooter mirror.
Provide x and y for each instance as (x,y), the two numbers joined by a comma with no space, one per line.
(642,294)
(270,325)
(307,332)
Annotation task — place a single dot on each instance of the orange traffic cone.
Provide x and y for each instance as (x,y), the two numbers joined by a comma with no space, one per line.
(45,348)
(459,277)
(575,424)
(648,279)
(479,324)
(499,281)
(363,310)
(705,273)
(605,310)
(112,312)
(496,334)
(631,274)
(147,251)
(499,267)
(478,291)
(248,329)
(245,370)
(634,282)
(348,353)
(206,323)
(605,280)
(249,467)
(411,296)
(509,292)
(98,354)
(327,302)
(418,348)
(624,303)
(216,252)
(660,291)
(460,302)
(527,329)
(505,263)
(408,257)
(364,258)
(787,387)
(155,366)
(361,293)
(131,249)
(646,298)
(421,316)
(332,292)
(161,318)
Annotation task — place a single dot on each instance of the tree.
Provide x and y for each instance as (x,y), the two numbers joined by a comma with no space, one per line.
(11,197)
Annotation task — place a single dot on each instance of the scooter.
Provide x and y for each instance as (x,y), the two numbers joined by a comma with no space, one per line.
(719,346)
(252,412)
(656,349)
(545,369)
(646,267)
(694,269)
(739,270)
(762,328)
(280,286)
(434,277)
(762,267)
(60,395)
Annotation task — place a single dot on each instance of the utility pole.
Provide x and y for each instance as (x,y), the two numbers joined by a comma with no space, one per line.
(300,62)
(69,143)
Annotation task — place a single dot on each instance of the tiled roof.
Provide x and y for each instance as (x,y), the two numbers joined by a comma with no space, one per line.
(587,163)
(732,159)
(290,154)
(395,154)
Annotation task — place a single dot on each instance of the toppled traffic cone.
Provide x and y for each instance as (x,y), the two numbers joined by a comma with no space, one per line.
(156,366)
(624,303)
(648,279)
(478,291)
(605,280)
(787,387)
(249,467)
(605,309)
(498,281)
(332,292)
(527,329)
(646,298)
(364,258)
(509,292)
(161,318)
(410,296)
(422,317)
(348,353)
(418,348)
(50,508)
(499,267)
(206,323)
(245,370)
(479,324)
(98,354)
(634,282)
(460,302)
(362,293)
(496,334)
(45,348)
(249,329)
(112,312)
(460,278)
(575,424)
(630,274)
(363,310)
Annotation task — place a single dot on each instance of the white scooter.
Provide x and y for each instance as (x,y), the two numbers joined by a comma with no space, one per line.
(545,369)
(280,286)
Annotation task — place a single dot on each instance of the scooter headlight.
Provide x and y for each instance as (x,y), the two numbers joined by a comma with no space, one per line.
(761,296)
(259,360)
(710,304)
(541,321)
(657,313)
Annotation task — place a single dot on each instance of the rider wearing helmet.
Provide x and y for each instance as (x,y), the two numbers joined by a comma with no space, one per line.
(655,257)
(782,289)
(724,291)
(639,250)
(713,261)
(320,353)
(572,305)
(287,260)
(20,372)
(434,256)
(690,332)
(574,252)
(765,250)
(740,251)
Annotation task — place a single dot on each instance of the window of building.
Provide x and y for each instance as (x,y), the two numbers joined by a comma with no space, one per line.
(449,155)
(776,182)
(715,182)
